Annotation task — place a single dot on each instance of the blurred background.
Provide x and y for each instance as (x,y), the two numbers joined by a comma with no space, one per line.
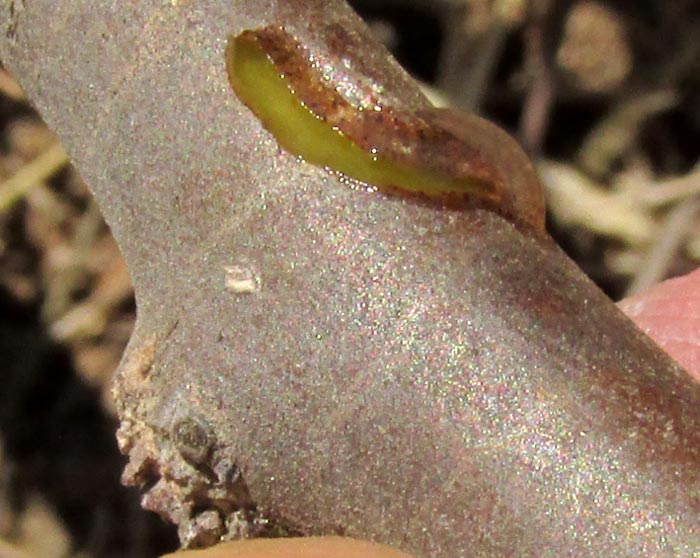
(604,95)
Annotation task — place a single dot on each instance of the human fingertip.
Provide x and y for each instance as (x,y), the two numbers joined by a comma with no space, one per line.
(296,547)
(668,313)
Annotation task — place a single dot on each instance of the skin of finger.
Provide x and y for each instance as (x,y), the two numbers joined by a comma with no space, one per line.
(300,547)
(669,313)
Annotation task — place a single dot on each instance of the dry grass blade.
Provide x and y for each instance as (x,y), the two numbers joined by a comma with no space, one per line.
(9,87)
(674,189)
(31,174)
(658,260)
(614,135)
(8,550)
(576,201)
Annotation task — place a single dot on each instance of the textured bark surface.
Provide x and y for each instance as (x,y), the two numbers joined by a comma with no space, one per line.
(349,363)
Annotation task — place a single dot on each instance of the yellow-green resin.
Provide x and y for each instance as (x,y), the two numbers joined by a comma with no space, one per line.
(258,83)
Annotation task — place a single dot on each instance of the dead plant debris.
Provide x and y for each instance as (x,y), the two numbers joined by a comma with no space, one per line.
(608,106)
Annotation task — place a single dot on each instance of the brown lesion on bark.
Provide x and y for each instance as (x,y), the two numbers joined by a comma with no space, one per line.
(465,151)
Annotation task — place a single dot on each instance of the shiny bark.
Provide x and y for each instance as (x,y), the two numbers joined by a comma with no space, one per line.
(349,362)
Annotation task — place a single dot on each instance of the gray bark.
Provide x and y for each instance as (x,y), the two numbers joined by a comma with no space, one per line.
(431,379)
